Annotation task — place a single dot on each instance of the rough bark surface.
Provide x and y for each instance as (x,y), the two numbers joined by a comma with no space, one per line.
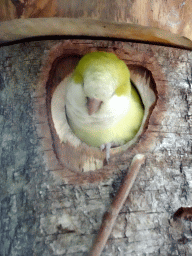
(43,215)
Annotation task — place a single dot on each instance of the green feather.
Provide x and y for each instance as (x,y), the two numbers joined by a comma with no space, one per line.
(105,61)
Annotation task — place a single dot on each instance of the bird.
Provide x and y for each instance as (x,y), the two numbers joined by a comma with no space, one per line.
(103,107)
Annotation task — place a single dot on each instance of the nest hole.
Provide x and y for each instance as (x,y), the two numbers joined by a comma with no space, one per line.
(81,157)
(81,161)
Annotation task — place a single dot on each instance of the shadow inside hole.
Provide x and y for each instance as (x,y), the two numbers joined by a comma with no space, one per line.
(183,213)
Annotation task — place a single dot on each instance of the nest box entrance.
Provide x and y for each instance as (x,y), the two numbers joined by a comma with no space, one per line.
(75,156)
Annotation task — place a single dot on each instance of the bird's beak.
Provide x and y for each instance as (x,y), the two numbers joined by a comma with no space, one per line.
(93,105)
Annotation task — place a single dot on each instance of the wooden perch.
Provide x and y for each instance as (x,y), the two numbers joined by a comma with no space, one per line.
(111,215)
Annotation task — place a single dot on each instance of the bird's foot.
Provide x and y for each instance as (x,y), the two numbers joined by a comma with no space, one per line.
(107,147)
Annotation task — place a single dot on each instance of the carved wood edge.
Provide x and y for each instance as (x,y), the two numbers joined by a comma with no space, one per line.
(19,29)
(51,145)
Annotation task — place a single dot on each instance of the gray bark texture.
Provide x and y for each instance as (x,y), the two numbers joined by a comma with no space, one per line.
(42,215)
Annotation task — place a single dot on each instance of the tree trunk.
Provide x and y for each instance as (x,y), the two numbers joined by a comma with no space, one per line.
(42,214)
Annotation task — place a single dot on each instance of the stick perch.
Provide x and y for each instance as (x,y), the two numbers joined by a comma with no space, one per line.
(110,216)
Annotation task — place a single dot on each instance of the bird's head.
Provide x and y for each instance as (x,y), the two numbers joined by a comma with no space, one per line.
(102,75)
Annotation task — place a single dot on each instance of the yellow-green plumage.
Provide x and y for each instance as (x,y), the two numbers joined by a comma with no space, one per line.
(103,76)
(111,64)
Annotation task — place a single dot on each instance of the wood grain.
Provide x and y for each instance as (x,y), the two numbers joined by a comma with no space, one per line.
(26,28)
(173,16)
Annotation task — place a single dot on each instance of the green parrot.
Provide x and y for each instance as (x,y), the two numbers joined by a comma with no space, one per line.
(102,106)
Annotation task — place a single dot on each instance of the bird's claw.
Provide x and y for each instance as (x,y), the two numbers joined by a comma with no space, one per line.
(107,148)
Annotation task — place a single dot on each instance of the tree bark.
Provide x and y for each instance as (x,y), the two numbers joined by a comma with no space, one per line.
(41,214)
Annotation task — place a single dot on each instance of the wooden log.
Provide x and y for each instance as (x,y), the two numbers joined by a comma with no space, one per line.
(43,213)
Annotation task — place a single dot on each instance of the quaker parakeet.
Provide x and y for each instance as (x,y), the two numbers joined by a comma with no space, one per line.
(102,106)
